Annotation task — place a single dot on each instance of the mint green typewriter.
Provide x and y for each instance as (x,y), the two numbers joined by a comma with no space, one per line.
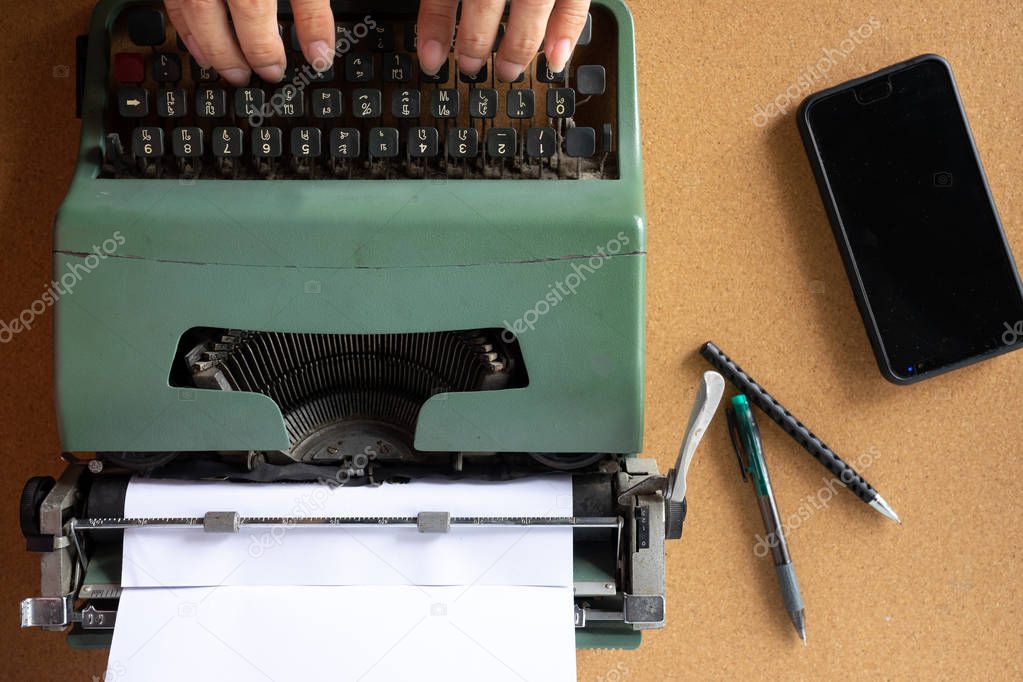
(366,273)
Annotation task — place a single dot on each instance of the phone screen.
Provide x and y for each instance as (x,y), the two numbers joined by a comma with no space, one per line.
(922,230)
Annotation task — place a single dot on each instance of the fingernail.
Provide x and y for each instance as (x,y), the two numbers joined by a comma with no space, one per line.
(322,55)
(193,49)
(508,71)
(470,66)
(236,76)
(432,56)
(557,57)
(271,74)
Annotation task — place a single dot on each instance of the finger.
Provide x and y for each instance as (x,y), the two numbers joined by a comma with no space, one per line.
(563,30)
(259,36)
(527,23)
(314,23)
(212,34)
(176,12)
(476,33)
(434,30)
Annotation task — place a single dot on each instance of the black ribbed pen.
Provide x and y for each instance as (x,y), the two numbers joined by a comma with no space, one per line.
(759,396)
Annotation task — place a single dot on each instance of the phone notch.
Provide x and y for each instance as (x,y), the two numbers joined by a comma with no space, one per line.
(874,91)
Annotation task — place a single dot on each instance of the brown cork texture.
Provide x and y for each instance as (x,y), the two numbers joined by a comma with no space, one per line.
(740,252)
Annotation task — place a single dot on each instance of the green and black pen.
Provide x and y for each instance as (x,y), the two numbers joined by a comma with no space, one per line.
(745,435)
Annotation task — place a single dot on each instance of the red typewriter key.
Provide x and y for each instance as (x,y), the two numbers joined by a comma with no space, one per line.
(129,67)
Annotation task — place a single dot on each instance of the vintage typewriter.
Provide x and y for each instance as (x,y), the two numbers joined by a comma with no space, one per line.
(369,272)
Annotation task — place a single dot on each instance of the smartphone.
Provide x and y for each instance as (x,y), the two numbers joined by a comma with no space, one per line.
(910,208)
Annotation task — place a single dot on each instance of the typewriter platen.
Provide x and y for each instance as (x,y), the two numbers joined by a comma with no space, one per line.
(315,290)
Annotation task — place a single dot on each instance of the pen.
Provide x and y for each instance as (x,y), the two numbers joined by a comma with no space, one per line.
(742,429)
(759,396)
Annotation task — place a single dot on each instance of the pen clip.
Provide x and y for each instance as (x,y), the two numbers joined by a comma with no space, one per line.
(733,435)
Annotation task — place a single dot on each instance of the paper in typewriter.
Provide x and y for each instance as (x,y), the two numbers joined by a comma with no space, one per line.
(347,604)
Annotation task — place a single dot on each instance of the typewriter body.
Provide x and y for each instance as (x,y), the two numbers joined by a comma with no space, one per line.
(372,272)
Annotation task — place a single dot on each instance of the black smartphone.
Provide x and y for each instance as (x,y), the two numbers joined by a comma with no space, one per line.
(911,211)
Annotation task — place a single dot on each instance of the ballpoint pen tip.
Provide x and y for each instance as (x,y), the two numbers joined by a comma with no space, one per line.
(882,506)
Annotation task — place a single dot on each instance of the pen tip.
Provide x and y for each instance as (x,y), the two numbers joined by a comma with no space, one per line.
(799,621)
(882,506)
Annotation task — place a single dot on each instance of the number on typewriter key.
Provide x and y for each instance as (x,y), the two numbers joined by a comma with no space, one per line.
(248,102)
(210,103)
(397,68)
(172,103)
(288,102)
(166,67)
(544,74)
(186,143)
(327,103)
(444,103)
(381,39)
(540,142)
(344,143)
(266,142)
(133,102)
(383,142)
(405,104)
(463,143)
(305,142)
(227,142)
(359,68)
(483,103)
(367,103)
(203,75)
(521,103)
(581,142)
(561,103)
(501,143)
(423,142)
(147,142)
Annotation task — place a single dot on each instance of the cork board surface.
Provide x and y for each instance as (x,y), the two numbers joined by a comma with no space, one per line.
(739,252)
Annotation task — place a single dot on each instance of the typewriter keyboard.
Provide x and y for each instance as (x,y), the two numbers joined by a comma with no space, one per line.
(374,114)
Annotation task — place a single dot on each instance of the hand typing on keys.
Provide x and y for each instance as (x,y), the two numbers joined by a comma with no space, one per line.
(255,43)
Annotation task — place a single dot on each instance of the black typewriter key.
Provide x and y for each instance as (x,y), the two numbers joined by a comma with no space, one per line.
(306,142)
(146,26)
(423,142)
(180,43)
(302,72)
(203,75)
(266,142)
(344,143)
(344,36)
(521,103)
(397,68)
(171,103)
(367,103)
(147,142)
(479,77)
(444,103)
(410,36)
(463,143)
(587,34)
(580,142)
(443,74)
(501,143)
(249,102)
(590,80)
(544,74)
(383,143)
(327,103)
(359,68)
(483,103)
(541,143)
(381,38)
(607,138)
(288,102)
(561,102)
(210,103)
(405,104)
(133,102)
(186,143)
(166,67)
(227,142)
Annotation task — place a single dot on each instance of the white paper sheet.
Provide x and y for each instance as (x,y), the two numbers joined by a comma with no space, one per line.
(369,634)
(345,556)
